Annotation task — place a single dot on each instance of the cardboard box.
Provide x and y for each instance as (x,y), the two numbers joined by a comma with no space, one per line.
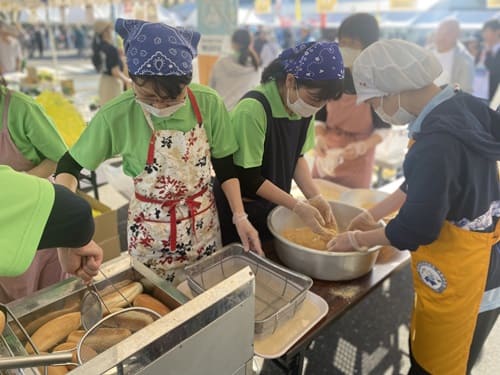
(106,227)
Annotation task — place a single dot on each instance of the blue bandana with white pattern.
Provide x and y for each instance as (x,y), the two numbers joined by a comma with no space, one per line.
(315,61)
(156,49)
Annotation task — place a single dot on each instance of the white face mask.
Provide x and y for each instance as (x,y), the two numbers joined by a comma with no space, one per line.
(401,117)
(300,107)
(161,112)
(349,55)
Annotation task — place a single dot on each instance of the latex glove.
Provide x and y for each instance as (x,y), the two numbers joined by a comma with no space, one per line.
(248,234)
(364,221)
(321,147)
(354,150)
(345,242)
(311,216)
(83,262)
(325,209)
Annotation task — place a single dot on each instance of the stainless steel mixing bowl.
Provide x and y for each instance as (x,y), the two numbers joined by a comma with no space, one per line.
(322,265)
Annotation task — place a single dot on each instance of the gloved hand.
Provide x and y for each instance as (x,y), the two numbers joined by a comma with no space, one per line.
(324,208)
(364,221)
(354,150)
(345,242)
(321,147)
(248,234)
(311,216)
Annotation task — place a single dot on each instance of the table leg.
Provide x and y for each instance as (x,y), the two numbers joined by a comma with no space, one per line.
(292,365)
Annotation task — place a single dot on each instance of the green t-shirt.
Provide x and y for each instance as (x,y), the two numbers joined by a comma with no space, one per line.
(26,202)
(120,128)
(250,123)
(31,130)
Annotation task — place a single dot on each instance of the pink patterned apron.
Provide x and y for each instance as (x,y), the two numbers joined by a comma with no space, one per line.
(172,218)
(348,122)
(45,269)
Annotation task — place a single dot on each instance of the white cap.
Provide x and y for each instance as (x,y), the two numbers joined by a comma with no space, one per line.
(392,66)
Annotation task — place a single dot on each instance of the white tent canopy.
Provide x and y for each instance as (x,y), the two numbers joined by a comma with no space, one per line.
(245,17)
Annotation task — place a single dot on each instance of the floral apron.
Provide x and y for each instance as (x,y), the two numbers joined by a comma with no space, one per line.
(45,269)
(172,218)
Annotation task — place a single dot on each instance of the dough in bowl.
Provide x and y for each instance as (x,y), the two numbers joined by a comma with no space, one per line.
(305,236)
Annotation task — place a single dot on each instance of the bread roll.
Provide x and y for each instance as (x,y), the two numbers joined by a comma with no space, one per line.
(111,288)
(54,331)
(129,291)
(145,300)
(2,322)
(54,370)
(132,320)
(86,352)
(102,338)
(65,346)
(75,336)
(70,305)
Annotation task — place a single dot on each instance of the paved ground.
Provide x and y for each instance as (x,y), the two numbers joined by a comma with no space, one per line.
(370,339)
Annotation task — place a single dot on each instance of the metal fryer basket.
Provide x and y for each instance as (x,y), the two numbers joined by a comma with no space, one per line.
(278,291)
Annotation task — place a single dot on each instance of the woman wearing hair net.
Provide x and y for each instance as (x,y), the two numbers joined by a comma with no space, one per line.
(169,132)
(450,204)
(274,127)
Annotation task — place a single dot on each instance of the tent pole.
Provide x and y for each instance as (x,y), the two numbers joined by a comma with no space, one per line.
(53,48)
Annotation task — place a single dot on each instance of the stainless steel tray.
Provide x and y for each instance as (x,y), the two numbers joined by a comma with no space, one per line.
(278,291)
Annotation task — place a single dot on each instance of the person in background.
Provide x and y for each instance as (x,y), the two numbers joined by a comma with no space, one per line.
(305,34)
(491,37)
(274,128)
(270,50)
(481,77)
(107,61)
(37,215)
(450,204)
(169,132)
(346,132)
(233,75)
(11,54)
(30,143)
(457,63)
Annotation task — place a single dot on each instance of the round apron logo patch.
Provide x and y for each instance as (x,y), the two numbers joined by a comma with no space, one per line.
(431,276)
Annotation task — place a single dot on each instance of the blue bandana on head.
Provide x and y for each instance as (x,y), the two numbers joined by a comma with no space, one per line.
(156,49)
(313,61)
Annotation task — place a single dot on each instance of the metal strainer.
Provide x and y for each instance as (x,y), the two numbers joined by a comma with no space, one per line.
(112,329)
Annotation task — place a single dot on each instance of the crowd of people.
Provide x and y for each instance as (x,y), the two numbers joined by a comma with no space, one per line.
(208,164)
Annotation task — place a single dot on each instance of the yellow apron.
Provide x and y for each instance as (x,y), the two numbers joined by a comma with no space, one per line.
(449,278)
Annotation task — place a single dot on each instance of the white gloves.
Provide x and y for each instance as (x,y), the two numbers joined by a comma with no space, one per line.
(248,234)
(354,150)
(364,221)
(311,216)
(345,242)
(324,208)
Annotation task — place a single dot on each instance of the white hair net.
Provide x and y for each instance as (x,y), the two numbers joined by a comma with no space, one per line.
(393,66)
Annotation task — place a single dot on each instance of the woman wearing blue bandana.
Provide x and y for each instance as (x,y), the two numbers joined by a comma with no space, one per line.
(274,128)
(450,204)
(170,133)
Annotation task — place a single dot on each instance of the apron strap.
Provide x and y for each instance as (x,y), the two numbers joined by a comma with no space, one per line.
(5,117)
(194,105)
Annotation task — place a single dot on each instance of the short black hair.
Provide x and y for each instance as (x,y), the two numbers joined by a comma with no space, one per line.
(360,26)
(331,89)
(165,87)
(493,24)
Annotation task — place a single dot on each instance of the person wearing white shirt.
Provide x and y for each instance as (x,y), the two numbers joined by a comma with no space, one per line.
(457,63)
(10,50)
